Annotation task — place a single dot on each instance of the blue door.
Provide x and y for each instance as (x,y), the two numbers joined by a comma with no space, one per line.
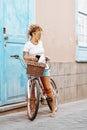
(15,17)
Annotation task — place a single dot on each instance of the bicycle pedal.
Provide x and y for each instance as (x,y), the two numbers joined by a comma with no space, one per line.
(49,99)
(43,101)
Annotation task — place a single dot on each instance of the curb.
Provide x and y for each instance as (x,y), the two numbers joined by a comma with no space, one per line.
(12,107)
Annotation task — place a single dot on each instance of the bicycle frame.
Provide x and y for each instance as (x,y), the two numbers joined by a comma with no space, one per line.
(42,91)
(35,83)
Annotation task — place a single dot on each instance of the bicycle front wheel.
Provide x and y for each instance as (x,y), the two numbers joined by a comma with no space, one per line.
(54,90)
(33,99)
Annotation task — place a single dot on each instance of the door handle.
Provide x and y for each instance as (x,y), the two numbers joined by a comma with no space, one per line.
(5,37)
(4,32)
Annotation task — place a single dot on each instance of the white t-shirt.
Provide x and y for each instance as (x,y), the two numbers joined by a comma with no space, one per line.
(34,50)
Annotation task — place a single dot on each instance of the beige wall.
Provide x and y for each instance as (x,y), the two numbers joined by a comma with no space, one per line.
(71,80)
(57,18)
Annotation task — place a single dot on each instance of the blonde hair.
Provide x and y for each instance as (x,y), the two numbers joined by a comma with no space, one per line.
(33,28)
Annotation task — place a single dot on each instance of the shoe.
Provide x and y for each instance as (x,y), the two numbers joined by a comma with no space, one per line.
(53,114)
(56,109)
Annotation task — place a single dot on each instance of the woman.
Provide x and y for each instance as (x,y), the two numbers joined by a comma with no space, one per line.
(35,47)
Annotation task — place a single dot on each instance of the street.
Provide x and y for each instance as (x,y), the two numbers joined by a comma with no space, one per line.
(70,116)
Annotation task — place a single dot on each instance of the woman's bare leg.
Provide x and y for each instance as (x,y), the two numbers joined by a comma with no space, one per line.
(46,83)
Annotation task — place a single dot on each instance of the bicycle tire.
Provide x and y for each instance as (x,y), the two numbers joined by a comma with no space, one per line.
(33,84)
(54,90)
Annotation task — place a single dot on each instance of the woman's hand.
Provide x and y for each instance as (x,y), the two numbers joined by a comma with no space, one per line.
(47,58)
(34,59)
(27,58)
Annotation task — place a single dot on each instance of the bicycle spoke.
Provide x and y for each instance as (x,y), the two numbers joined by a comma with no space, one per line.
(55,94)
(33,100)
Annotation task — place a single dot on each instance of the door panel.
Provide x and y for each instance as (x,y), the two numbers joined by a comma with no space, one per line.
(15,23)
(16,15)
(16,19)
(15,77)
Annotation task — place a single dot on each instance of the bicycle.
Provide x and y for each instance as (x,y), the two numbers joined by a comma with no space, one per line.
(36,92)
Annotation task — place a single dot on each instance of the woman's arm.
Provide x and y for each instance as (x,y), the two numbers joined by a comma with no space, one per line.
(27,58)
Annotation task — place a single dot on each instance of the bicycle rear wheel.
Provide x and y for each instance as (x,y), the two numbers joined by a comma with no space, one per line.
(54,90)
(33,99)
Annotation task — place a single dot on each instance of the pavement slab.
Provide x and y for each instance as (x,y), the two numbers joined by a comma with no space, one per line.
(70,116)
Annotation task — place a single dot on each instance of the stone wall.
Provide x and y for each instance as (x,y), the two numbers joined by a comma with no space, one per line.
(71,80)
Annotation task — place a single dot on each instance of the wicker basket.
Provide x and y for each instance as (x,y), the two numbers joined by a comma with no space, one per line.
(35,68)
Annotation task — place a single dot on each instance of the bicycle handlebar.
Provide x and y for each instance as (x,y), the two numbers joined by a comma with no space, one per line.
(14,56)
(20,59)
(47,59)
(23,62)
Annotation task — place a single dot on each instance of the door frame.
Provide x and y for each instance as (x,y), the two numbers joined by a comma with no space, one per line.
(2,55)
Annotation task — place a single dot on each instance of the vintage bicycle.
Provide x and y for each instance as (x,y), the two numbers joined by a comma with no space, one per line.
(35,89)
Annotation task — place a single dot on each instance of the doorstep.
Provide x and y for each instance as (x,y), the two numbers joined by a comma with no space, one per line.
(13,108)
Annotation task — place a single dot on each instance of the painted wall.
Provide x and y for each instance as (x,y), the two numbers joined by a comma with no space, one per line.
(57,18)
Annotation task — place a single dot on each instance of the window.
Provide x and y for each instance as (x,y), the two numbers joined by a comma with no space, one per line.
(82,29)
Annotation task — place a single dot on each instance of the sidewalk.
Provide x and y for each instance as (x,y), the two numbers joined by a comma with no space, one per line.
(70,116)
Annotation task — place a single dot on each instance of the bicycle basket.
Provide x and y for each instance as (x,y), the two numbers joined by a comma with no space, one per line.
(35,68)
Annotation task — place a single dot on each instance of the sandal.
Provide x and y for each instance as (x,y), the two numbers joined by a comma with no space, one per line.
(53,114)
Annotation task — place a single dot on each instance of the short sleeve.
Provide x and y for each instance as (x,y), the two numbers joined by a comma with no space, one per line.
(42,45)
(26,47)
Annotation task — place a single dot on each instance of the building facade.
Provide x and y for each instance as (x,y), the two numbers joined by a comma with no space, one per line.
(64,38)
